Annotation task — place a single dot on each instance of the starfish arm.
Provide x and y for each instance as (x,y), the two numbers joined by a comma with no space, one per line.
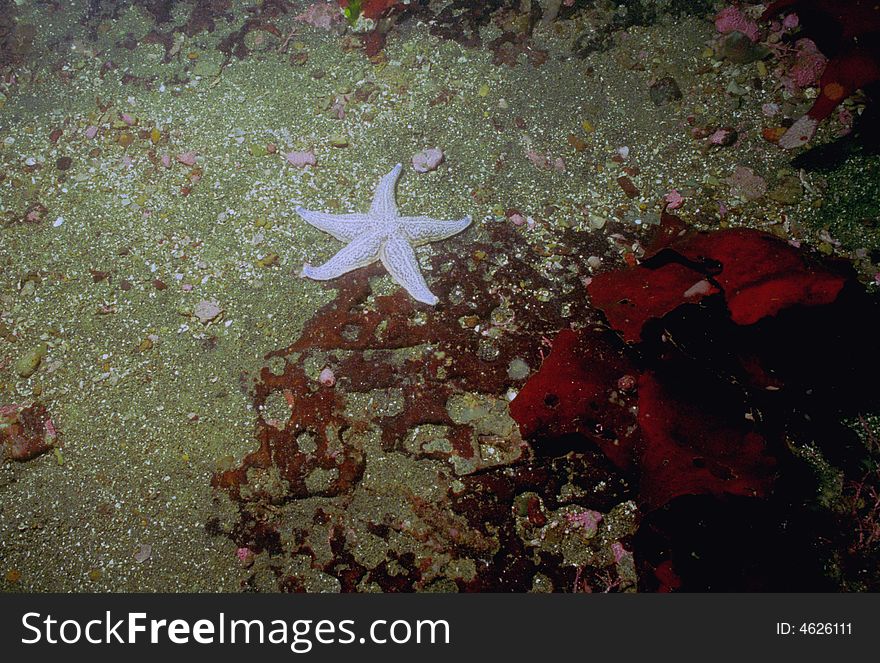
(384,203)
(400,260)
(423,229)
(344,227)
(360,252)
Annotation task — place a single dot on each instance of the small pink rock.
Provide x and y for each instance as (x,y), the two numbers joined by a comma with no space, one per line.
(128,119)
(301,159)
(187,158)
(321,15)
(559,165)
(517,219)
(770,109)
(91,132)
(791,21)
(721,137)
(327,378)
(427,160)
(166,160)
(673,199)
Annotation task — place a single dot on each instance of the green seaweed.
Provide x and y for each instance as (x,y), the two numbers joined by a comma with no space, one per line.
(352,11)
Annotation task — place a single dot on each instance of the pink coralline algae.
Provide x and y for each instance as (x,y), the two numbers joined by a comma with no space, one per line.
(301,159)
(321,15)
(731,19)
(791,21)
(620,553)
(808,66)
(427,160)
(744,183)
(586,519)
(673,199)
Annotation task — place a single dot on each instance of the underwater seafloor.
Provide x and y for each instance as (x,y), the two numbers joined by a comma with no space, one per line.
(181,412)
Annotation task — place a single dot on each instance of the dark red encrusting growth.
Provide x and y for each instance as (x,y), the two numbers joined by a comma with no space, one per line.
(689,437)
(629,298)
(27,432)
(775,356)
(848,33)
(313,413)
(369,341)
(757,274)
(577,393)
(698,443)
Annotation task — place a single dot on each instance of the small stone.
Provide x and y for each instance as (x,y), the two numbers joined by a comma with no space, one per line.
(724,137)
(746,184)
(338,140)
(301,158)
(664,91)
(628,187)
(788,191)
(488,350)
(739,49)
(143,553)
(206,311)
(64,163)
(427,160)
(28,363)
(327,378)
(517,369)
(268,260)
(206,68)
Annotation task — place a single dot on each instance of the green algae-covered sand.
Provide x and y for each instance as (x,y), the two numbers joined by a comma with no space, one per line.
(149,256)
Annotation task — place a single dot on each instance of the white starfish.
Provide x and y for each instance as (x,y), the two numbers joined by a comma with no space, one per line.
(381,234)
